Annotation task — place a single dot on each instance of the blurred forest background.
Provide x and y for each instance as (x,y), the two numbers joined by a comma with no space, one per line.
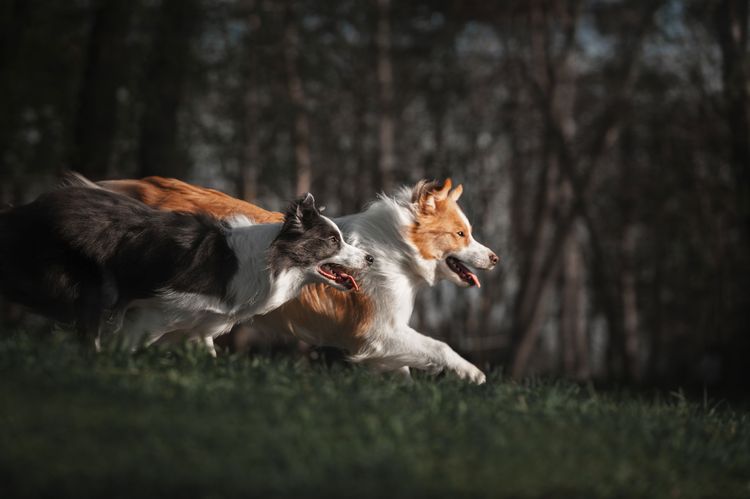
(603,147)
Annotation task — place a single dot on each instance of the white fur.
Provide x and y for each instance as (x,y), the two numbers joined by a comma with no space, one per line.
(253,290)
(398,273)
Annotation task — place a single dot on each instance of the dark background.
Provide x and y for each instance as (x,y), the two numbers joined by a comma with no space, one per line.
(603,148)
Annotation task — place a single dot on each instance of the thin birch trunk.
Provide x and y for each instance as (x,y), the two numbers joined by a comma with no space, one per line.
(296,91)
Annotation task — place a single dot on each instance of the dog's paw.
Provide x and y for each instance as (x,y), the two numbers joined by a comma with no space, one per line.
(469,372)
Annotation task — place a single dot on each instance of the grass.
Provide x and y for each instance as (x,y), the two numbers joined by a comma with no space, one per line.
(77,424)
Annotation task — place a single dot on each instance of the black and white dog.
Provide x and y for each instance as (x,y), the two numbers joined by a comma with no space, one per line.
(112,264)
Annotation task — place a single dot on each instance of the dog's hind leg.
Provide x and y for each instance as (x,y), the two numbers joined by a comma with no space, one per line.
(181,336)
(89,315)
(113,308)
(112,322)
(403,372)
(95,297)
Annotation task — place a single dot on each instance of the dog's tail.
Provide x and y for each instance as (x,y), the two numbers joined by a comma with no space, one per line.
(75,179)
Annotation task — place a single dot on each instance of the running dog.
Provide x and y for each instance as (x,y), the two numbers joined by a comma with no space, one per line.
(112,264)
(418,237)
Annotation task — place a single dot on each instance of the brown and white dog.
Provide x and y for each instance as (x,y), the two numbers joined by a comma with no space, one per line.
(417,237)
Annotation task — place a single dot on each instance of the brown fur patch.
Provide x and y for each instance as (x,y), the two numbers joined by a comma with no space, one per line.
(174,195)
(439,220)
(337,318)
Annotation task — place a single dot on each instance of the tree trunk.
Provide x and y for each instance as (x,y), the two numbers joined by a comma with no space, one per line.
(249,168)
(732,28)
(301,128)
(630,304)
(533,329)
(164,88)
(572,315)
(386,125)
(14,19)
(732,32)
(538,281)
(250,162)
(95,125)
(605,298)
(550,77)
(547,235)
(364,180)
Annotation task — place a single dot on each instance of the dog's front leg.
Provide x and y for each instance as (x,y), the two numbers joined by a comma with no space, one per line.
(208,342)
(408,347)
(141,327)
(210,330)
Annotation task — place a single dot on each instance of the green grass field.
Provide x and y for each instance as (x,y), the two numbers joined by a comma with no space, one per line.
(76,424)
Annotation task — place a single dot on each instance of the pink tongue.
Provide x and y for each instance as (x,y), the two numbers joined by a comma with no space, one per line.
(351,280)
(327,275)
(474,279)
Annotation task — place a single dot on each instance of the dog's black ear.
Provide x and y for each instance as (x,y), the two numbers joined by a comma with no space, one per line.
(299,212)
(309,210)
(293,218)
(307,204)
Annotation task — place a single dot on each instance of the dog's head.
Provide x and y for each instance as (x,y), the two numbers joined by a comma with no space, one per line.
(442,234)
(313,244)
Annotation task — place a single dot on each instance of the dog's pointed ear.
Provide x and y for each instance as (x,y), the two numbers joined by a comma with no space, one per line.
(426,194)
(307,202)
(307,205)
(456,193)
(298,211)
(442,192)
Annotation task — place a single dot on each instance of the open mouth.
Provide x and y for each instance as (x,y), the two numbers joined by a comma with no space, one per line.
(462,271)
(337,274)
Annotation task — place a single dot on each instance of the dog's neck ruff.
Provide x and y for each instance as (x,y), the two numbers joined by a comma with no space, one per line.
(383,230)
(255,289)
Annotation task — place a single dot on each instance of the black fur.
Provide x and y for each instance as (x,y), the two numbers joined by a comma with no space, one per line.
(321,240)
(76,252)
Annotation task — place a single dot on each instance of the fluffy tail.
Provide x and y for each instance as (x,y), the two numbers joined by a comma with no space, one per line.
(75,179)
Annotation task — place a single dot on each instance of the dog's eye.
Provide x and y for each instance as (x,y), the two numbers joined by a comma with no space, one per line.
(460,233)
(334,239)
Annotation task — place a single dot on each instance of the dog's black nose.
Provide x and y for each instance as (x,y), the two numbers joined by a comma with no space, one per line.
(370,259)
(494,259)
